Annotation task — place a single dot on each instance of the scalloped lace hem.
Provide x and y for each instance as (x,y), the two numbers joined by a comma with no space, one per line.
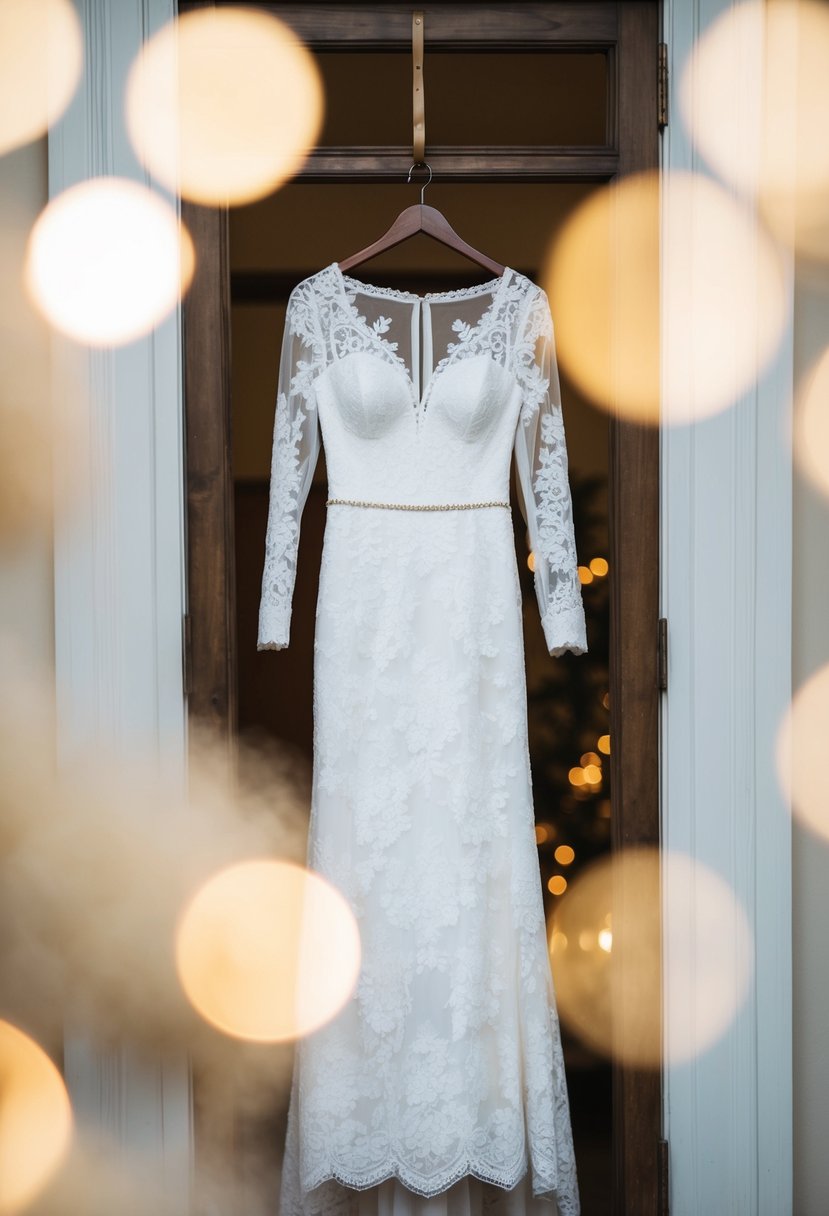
(504,1180)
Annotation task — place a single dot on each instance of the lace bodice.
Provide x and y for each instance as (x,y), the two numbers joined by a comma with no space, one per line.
(422,399)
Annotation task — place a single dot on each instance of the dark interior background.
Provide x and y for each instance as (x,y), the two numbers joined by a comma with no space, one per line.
(471,100)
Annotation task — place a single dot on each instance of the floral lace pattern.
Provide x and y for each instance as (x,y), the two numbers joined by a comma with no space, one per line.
(471,338)
(541,453)
(283,535)
(445,1063)
(294,453)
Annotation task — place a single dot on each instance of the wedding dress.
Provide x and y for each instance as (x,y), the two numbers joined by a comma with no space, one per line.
(439,1088)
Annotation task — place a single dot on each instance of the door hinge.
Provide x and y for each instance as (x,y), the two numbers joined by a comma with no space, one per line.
(662,86)
(662,653)
(185,653)
(663,1190)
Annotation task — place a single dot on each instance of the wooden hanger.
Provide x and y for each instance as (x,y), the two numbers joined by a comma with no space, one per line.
(416,219)
(420,218)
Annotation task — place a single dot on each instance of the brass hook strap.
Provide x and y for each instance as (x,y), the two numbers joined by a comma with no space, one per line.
(418,99)
(426,165)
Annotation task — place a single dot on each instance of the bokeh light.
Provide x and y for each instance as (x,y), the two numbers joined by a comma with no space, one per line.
(601,274)
(268,950)
(810,431)
(35,1118)
(107,260)
(800,752)
(82,944)
(722,292)
(41,56)
(41,411)
(770,133)
(102,1175)
(606,956)
(224,105)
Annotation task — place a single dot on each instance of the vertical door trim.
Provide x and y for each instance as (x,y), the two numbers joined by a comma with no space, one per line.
(634,688)
(726,562)
(210,566)
(119,586)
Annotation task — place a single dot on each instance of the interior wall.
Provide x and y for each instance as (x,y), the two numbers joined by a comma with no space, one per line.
(26,557)
(810,855)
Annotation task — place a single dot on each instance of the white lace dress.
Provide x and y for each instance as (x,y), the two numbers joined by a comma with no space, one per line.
(439,1089)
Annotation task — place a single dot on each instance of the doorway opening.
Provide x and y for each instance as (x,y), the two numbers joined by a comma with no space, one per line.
(568,697)
(582,115)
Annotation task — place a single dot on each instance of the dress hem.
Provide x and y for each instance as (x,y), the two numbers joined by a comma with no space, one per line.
(505,1181)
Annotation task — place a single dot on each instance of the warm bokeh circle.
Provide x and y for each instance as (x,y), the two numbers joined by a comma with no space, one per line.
(268,950)
(224,104)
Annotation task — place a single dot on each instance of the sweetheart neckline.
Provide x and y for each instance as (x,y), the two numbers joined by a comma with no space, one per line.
(396,370)
(497,287)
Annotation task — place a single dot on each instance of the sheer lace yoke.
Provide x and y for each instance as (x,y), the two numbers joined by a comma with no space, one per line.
(472,337)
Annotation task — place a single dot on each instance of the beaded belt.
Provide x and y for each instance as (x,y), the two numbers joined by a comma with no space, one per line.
(407,506)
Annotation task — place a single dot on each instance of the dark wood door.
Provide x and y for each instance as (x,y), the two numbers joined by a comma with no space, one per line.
(626,35)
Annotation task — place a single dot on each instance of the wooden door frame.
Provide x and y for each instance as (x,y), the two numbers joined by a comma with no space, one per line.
(628,34)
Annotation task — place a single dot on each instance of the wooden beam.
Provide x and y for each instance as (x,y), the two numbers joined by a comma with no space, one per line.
(537,164)
(210,547)
(387,27)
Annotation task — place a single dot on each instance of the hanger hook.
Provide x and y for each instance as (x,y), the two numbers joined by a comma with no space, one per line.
(416,165)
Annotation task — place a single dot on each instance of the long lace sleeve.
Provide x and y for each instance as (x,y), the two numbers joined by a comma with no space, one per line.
(296,446)
(544,489)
